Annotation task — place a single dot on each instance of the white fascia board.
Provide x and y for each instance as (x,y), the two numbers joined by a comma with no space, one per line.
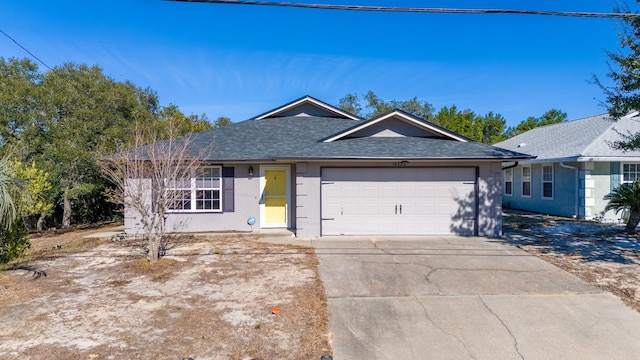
(310,100)
(583,159)
(404,118)
(609,158)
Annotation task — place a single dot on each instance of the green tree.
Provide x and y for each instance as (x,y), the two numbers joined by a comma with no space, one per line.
(35,198)
(552,116)
(19,100)
(222,121)
(465,123)
(67,117)
(376,106)
(626,197)
(624,95)
(87,114)
(493,128)
(351,104)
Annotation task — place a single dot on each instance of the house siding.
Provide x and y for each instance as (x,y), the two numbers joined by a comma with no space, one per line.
(564,194)
(305,206)
(246,203)
(595,181)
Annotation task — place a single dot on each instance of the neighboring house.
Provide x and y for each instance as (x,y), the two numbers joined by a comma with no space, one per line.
(314,169)
(574,168)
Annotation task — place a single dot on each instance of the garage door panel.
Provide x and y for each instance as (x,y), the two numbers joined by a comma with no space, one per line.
(433,201)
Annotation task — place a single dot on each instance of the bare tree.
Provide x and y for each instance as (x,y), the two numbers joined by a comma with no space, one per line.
(147,179)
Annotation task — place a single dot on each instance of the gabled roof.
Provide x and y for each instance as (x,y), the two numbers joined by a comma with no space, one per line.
(430,129)
(586,139)
(286,135)
(301,107)
(300,138)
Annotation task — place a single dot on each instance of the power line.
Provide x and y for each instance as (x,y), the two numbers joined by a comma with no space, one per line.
(25,49)
(418,9)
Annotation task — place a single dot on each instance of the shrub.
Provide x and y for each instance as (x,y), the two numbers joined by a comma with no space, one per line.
(14,242)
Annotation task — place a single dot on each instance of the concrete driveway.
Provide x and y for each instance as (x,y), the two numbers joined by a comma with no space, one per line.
(464,298)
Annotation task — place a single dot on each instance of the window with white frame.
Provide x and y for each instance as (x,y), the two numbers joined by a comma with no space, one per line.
(547,181)
(203,192)
(526,181)
(630,173)
(508,182)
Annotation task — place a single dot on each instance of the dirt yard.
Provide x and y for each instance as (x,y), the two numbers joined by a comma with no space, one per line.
(219,297)
(600,254)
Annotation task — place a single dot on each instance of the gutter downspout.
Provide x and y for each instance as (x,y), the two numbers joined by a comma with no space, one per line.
(577,192)
(515,163)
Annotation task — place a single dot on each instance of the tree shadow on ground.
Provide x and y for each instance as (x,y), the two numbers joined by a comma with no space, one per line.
(589,240)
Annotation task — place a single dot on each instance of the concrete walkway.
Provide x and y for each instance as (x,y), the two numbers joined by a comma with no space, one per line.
(464,298)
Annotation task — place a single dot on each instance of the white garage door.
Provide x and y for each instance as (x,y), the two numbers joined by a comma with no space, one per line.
(393,201)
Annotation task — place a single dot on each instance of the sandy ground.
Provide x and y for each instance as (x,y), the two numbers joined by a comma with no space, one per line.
(601,254)
(209,298)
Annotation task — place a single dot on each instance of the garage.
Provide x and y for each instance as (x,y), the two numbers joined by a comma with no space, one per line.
(399,201)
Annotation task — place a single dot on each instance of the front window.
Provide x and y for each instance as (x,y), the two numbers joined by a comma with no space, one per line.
(202,192)
(547,181)
(526,181)
(630,173)
(508,182)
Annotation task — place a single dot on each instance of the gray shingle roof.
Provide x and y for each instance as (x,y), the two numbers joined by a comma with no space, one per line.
(299,137)
(586,137)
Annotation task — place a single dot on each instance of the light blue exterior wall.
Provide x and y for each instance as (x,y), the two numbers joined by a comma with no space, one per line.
(563,202)
(595,180)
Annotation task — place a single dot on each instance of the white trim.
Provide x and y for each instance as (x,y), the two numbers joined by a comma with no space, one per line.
(522,181)
(584,159)
(308,99)
(287,169)
(542,182)
(637,172)
(402,117)
(193,189)
(505,180)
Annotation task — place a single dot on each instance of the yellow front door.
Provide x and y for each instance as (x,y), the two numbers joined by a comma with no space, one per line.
(275,197)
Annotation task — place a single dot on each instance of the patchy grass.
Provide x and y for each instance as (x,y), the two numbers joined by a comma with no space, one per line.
(209,298)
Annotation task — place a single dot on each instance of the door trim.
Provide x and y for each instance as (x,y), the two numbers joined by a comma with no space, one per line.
(287,169)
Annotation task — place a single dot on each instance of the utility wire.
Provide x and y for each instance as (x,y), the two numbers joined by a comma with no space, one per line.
(25,49)
(418,9)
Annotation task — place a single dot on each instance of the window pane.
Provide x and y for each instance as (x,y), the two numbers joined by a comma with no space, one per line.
(508,187)
(547,189)
(207,200)
(181,200)
(547,173)
(202,183)
(526,188)
(526,173)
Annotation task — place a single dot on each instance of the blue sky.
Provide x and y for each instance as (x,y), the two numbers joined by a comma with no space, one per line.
(239,61)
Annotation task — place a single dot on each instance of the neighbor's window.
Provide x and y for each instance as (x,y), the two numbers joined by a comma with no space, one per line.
(630,173)
(526,181)
(508,182)
(200,193)
(547,181)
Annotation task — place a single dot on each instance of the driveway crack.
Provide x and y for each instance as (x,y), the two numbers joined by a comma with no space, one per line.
(515,341)
(427,277)
(426,314)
